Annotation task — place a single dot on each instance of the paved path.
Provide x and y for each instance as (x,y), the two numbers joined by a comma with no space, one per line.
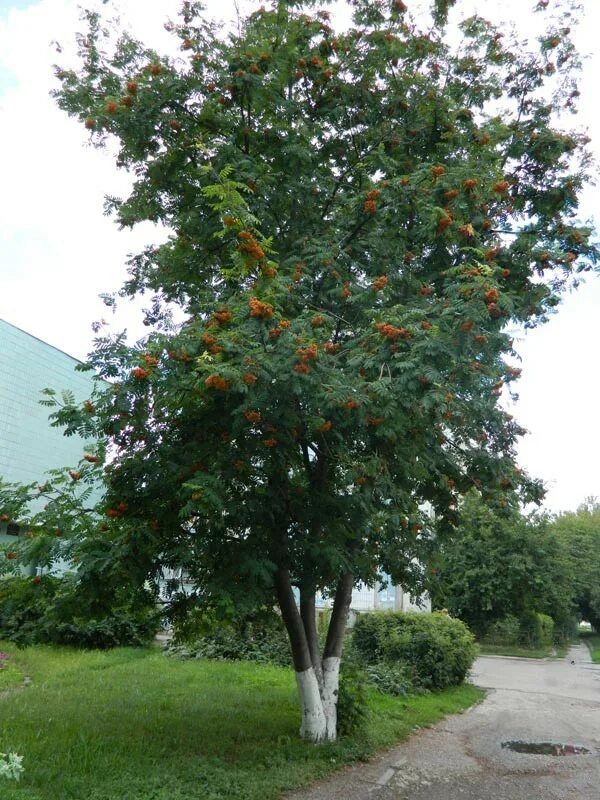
(462,757)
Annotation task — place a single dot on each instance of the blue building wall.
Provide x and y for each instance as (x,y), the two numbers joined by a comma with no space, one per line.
(29,447)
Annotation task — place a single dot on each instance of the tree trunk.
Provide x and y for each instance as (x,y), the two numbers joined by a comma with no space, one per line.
(317,679)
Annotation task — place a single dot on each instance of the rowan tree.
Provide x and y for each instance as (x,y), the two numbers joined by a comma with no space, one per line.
(356,219)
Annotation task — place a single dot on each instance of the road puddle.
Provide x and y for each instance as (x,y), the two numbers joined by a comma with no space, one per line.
(545,748)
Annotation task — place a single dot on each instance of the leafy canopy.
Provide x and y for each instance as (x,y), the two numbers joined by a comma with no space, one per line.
(356,219)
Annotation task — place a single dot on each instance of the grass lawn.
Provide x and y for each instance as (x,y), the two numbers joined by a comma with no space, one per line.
(516,650)
(593,642)
(131,724)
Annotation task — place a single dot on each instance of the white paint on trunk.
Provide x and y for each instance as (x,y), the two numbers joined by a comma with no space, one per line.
(314,724)
(331,684)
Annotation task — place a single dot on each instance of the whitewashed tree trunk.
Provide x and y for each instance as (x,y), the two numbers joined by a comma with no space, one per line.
(314,726)
(331,683)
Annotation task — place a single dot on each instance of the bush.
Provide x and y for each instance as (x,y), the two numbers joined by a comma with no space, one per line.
(392,679)
(537,630)
(437,649)
(54,611)
(531,630)
(259,637)
(506,631)
(352,706)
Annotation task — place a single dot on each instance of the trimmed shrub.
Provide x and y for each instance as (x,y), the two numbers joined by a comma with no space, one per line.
(437,649)
(54,611)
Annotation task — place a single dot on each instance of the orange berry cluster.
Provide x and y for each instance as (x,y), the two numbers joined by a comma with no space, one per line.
(466,230)
(501,187)
(379,283)
(260,309)
(392,332)
(444,223)
(140,373)
(250,246)
(326,426)
(307,353)
(437,171)
(370,206)
(217,382)
(222,316)
(252,416)
(346,293)
(332,347)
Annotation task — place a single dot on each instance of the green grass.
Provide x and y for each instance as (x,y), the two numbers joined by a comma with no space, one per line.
(131,724)
(593,642)
(515,650)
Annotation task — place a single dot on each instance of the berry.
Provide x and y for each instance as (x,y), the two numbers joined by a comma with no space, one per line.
(132,87)
(217,382)
(76,476)
(111,107)
(379,283)
(174,124)
(139,373)
(90,123)
(260,309)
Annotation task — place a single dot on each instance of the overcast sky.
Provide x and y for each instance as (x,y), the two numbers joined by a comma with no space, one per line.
(58,252)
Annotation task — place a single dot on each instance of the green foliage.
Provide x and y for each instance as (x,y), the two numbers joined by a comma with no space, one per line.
(504,631)
(438,650)
(52,610)
(259,637)
(532,630)
(336,202)
(352,702)
(393,679)
(353,231)
(579,533)
(502,565)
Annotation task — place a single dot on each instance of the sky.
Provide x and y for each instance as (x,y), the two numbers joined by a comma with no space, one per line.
(58,251)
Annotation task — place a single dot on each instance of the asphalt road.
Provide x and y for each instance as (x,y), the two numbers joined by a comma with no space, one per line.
(462,758)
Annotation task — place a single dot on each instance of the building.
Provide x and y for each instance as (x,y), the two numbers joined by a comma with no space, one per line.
(29,446)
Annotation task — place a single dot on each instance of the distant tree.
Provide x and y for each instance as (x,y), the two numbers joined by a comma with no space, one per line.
(501,563)
(355,218)
(580,534)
